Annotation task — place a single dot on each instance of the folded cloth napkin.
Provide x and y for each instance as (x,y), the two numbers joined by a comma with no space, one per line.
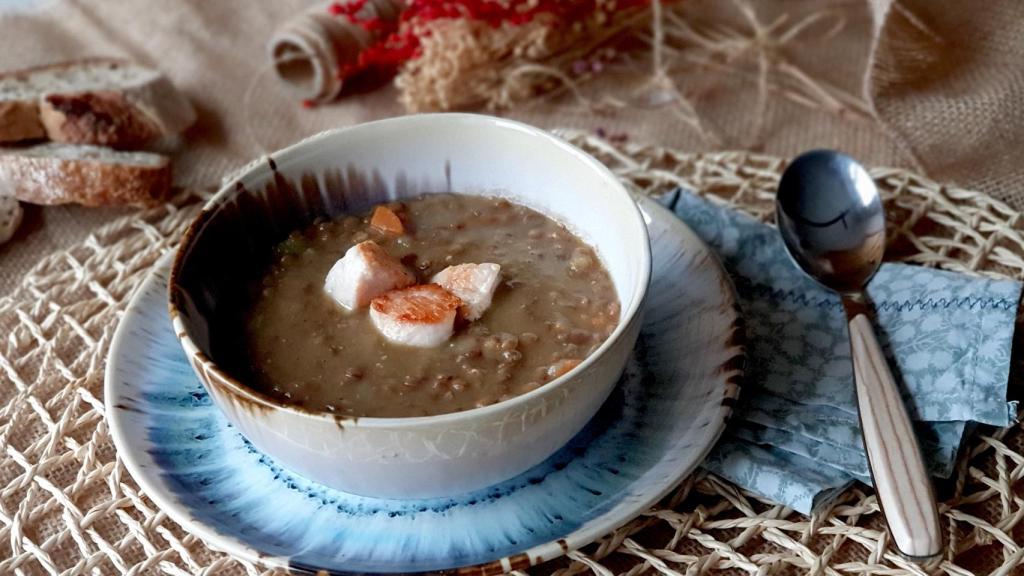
(795,437)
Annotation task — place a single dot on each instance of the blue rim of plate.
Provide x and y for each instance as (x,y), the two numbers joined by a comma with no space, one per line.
(667,412)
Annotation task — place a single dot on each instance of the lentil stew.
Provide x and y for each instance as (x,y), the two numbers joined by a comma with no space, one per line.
(554,305)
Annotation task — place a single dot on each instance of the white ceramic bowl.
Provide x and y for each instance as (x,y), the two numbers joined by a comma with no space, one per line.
(351,169)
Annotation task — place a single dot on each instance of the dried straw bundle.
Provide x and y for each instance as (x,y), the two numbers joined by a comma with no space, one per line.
(513,52)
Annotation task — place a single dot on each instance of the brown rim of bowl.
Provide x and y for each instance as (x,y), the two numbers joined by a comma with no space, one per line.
(250,395)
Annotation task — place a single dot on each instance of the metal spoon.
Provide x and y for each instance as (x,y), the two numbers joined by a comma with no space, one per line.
(831,218)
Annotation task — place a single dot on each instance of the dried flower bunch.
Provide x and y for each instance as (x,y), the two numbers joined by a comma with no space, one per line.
(452,54)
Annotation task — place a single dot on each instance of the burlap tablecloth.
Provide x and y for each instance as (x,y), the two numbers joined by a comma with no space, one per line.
(945,79)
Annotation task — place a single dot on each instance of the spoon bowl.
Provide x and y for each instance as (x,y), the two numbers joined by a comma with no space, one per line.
(832,219)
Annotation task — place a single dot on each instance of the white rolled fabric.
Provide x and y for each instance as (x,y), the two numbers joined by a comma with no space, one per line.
(308,51)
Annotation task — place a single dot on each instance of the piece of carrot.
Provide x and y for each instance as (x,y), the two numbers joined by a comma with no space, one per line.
(561,367)
(385,220)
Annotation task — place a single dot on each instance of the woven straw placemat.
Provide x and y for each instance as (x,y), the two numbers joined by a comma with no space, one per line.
(67,505)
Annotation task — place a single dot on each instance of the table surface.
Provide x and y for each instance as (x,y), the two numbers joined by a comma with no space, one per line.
(20,4)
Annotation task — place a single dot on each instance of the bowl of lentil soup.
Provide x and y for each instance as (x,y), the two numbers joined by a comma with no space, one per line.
(415,307)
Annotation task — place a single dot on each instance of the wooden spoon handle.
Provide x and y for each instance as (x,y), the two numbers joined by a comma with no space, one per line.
(903,487)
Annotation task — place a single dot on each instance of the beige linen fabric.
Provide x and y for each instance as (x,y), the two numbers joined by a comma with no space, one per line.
(947,81)
(215,51)
(940,84)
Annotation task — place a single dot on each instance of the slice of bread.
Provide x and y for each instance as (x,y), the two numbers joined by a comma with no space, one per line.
(88,175)
(98,101)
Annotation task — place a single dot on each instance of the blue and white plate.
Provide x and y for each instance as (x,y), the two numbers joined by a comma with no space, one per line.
(668,410)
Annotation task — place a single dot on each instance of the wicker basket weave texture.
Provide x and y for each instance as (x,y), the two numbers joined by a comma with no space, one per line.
(67,505)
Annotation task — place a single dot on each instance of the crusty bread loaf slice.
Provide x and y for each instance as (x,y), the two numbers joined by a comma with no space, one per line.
(98,101)
(89,175)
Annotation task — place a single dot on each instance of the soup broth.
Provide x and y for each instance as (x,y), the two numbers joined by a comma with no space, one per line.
(553,306)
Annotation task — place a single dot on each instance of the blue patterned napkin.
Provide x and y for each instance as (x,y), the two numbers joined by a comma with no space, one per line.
(795,437)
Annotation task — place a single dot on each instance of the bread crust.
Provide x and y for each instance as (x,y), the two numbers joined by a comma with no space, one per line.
(53,180)
(19,120)
(121,117)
